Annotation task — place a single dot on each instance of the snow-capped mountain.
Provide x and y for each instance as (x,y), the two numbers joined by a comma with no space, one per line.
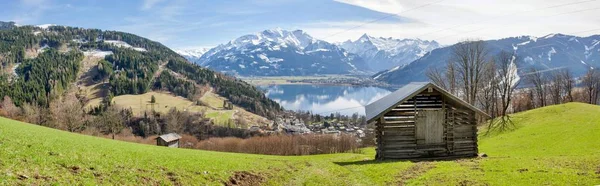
(281,52)
(384,53)
(554,51)
(192,55)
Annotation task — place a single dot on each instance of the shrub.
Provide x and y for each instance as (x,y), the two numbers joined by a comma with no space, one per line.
(283,144)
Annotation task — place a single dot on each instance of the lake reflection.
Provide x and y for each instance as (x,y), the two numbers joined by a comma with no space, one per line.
(324,99)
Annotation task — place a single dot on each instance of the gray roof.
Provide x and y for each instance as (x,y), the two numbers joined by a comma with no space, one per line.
(170,137)
(382,105)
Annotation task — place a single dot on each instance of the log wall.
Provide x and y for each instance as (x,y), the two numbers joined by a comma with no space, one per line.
(396,130)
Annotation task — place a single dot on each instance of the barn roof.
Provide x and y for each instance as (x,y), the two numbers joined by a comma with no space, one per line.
(381,106)
(170,137)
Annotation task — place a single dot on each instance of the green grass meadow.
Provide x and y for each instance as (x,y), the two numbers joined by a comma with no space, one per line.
(555,145)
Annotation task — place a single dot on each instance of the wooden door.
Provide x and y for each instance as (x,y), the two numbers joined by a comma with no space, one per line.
(430,127)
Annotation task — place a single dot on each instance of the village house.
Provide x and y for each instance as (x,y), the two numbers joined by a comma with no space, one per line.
(423,120)
(168,140)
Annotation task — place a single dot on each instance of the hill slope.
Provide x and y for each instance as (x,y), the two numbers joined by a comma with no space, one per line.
(46,62)
(556,145)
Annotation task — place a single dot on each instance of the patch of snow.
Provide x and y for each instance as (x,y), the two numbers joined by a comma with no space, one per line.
(269,60)
(574,39)
(317,50)
(275,60)
(549,36)
(14,69)
(263,67)
(378,76)
(124,45)
(43,48)
(263,57)
(45,26)
(513,71)
(97,53)
(37,33)
(79,41)
(552,51)
(529,60)
(533,38)
(524,43)
(352,65)
(394,69)
(242,66)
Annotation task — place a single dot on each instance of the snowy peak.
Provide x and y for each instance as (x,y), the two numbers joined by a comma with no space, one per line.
(192,55)
(284,38)
(383,53)
(281,52)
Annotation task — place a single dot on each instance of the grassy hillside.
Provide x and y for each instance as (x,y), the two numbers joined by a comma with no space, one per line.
(556,145)
(214,109)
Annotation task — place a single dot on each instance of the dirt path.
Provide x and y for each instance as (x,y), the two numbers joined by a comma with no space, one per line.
(414,171)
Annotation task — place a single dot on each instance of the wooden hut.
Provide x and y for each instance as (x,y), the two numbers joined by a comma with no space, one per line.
(423,120)
(168,140)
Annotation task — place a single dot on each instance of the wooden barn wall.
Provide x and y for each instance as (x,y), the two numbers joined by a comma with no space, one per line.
(397,131)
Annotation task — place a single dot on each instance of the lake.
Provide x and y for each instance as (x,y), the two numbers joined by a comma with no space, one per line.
(324,99)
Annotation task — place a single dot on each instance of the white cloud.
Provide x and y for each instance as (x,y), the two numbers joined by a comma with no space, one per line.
(452,20)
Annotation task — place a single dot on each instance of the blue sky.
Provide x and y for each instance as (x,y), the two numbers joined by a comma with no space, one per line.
(186,23)
(204,23)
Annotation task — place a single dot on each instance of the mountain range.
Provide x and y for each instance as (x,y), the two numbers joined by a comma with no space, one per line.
(282,52)
(277,52)
(385,53)
(554,51)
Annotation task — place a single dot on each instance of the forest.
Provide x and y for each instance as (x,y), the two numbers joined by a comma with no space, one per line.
(40,68)
(128,71)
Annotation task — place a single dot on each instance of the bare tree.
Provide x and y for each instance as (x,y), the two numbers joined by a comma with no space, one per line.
(110,121)
(505,87)
(555,87)
(67,113)
(591,83)
(538,81)
(488,96)
(33,113)
(469,60)
(174,120)
(464,71)
(567,84)
(9,107)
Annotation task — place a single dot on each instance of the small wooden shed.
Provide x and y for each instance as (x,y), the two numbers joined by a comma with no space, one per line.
(168,140)
(422,120)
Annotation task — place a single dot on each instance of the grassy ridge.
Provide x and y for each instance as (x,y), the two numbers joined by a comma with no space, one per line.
(556,145)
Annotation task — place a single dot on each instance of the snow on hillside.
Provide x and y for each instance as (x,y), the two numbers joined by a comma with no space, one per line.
(97,53)
(124,45)
(45,26)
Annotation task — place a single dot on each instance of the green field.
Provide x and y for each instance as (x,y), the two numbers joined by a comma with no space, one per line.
(556,145)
